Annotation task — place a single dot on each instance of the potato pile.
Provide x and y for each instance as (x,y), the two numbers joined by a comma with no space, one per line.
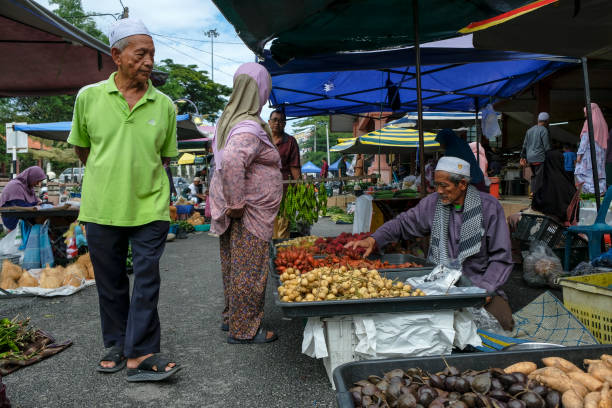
(196,219)
(13,277)
(560,384)
(340,284)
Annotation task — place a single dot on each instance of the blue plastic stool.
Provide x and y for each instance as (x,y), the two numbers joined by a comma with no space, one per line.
(594,232)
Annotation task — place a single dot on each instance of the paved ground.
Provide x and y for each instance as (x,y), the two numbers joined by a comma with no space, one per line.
(215,373)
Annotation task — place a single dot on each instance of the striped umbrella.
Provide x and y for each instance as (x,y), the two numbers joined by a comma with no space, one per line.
(390,139)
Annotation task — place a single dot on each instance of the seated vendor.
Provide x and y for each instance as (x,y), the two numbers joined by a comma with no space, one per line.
(19,192)
(196,193)
(464,224)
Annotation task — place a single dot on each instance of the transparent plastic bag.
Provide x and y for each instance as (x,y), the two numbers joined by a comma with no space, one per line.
(541,267)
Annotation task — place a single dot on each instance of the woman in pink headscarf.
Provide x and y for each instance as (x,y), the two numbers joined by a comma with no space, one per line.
(19,192)
(245,194)
(481,157)
(584,166)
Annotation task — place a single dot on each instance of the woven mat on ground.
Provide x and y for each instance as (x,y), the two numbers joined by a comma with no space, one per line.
(545,320)
(42,347)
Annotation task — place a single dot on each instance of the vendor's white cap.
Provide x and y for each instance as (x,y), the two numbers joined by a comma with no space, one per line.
(543,117)
(196,179)
(126,27)
(453,165)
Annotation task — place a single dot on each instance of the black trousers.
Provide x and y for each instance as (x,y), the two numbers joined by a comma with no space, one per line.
(133,324)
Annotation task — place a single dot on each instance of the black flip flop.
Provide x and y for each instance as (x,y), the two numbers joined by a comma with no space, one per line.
(145,371)
(259,338)
(114,354)
(224,326)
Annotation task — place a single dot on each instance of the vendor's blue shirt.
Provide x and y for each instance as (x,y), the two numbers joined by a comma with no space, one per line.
(11,222)
(570,158)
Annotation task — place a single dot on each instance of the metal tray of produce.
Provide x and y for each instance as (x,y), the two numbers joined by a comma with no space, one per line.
(391,258)
(327,308)
(347,374)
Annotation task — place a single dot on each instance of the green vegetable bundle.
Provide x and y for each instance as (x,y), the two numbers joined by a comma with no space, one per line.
(14,336)
(301,203)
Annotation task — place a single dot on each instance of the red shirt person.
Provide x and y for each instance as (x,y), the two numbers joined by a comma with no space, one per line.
(287,147)
(324,169)
(290,162)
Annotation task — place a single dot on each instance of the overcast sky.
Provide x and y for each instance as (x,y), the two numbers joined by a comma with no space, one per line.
(180,27)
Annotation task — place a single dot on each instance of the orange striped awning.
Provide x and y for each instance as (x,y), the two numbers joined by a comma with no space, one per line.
(502,18)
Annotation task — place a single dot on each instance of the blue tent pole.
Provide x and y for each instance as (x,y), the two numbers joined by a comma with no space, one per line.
(417,51)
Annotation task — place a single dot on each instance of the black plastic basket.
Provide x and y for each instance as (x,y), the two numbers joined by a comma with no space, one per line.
(533,227)
(347,374)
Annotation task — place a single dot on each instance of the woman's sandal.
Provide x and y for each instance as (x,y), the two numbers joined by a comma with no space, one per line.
(114,354)
(146,371)
(260,338)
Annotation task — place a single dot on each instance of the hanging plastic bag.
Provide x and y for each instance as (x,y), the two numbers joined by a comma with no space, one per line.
(9,245)
(541,267)
(38,252)
(490,124)
(363,214)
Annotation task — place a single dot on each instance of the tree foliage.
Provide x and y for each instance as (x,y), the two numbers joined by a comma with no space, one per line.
(320,123)
(72,11)
(186,81)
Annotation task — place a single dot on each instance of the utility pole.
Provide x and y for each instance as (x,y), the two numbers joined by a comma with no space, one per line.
(212,34)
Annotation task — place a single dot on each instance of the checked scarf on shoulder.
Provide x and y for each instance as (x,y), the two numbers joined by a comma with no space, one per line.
(471,229)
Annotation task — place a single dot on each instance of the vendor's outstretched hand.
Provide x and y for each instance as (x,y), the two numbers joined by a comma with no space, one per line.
(367,243)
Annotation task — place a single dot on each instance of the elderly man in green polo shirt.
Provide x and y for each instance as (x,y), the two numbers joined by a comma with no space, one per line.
(124,130)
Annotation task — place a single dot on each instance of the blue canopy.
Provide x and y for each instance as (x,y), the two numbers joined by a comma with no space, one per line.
(310,167)
(334,166)
(453,79)
(186,129)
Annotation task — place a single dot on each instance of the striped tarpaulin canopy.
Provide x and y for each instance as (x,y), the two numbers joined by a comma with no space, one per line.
(386,140)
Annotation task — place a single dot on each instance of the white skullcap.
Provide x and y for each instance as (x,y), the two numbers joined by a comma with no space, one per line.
(454,165)
(543,117)
(126,27)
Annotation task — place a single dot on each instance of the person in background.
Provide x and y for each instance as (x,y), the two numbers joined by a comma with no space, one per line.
(558,190)
(455,147)
(324,168)
(19,192)
(245,194)
(196,191)
(481,156)
(535,146)
(429,174)
(124,130)
(569,161)
(584,166)
(464,224)
(291,169)
(359,166)
(495,163)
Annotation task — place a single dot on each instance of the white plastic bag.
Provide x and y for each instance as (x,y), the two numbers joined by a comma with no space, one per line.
(9,245)
(490,124)
(363,214)
(466,332)
(400,334)
(313,343)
